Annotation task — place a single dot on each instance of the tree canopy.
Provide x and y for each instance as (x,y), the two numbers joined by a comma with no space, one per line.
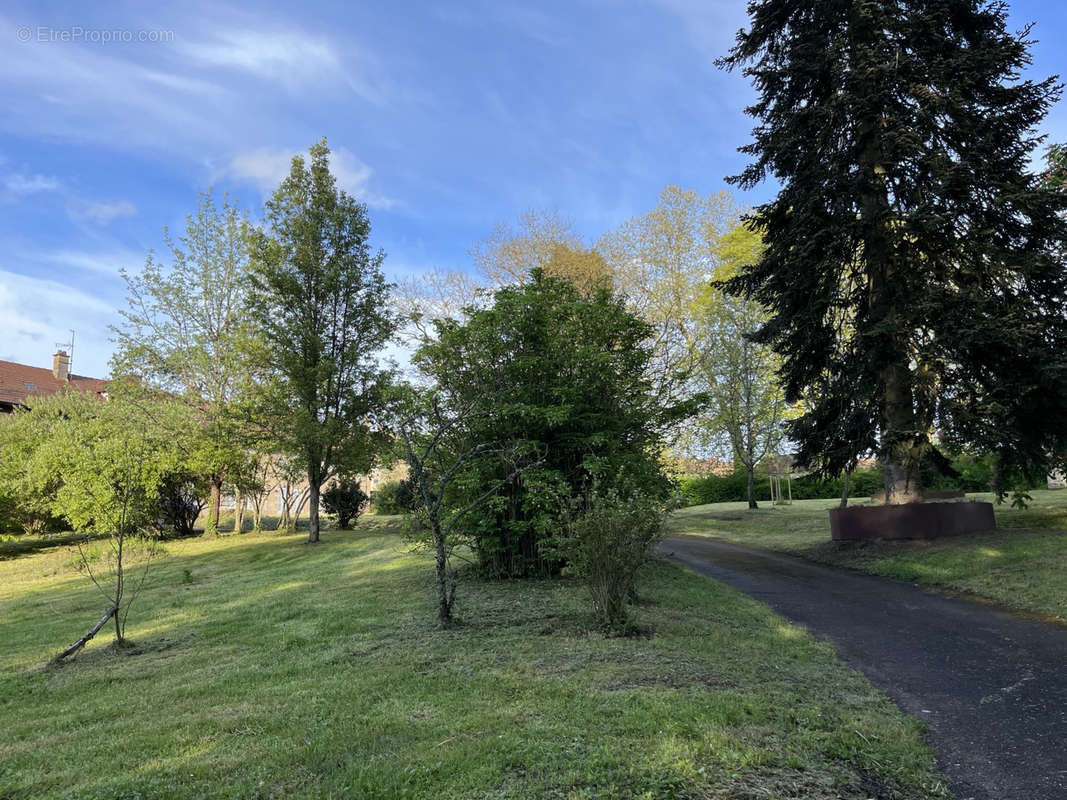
(321,304)
(185,334)
(568,375)
(911,270)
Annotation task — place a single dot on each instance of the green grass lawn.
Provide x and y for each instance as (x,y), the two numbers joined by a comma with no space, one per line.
(264,667)
(1023,565)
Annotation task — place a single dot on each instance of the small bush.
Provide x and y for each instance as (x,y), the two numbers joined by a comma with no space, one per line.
(394,497)
(347,500)
(180,501)
(607,543)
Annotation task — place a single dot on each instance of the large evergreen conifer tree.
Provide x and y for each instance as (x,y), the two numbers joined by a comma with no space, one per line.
(912,269)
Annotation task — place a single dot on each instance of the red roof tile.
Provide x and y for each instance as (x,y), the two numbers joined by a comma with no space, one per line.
(19,381)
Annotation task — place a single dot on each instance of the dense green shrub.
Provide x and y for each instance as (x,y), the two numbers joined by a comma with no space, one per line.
(568,370)
(394,497)
(345,499)
(862,483)
(699,491)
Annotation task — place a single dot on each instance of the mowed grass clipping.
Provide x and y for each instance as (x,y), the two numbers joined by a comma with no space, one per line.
(264,667)
(1022,565)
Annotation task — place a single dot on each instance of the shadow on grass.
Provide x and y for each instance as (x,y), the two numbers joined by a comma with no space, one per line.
(26,546)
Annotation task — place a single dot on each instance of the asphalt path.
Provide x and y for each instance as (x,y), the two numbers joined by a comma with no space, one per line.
(991,685)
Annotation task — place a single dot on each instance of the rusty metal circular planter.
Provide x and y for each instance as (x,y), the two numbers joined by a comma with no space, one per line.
(910,521)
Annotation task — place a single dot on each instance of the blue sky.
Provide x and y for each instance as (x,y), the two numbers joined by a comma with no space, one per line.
(445,118)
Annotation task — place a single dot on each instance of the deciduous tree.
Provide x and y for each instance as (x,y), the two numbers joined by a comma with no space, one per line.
(184,334)
(106,468)
(746,406)
(321,303)
(662,261)
(1056,175)
(432,435)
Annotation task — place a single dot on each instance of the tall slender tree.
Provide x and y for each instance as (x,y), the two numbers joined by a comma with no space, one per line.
(911,268)
(745,403)
(321,302)
(185,333)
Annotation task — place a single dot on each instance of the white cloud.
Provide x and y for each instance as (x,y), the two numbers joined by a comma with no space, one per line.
(30,184)
(292,59)
(103,212)
(266,168)
(96,94)
(279,56)
(102,263)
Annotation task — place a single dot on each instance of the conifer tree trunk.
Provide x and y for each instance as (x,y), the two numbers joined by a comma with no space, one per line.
(901,472)
(890,342)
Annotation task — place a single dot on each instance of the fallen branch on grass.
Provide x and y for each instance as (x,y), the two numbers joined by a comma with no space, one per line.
(78,645)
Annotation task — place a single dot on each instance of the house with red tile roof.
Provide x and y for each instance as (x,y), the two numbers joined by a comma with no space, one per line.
(19,381)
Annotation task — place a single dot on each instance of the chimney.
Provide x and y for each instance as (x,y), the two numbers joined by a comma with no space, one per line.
(60,365)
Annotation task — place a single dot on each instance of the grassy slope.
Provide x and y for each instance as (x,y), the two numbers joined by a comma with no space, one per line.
(1023,565)
(285,670)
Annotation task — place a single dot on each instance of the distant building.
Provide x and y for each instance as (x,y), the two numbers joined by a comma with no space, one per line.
(1057,480)
(20,381)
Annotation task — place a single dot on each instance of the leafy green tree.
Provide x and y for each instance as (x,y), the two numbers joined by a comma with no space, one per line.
(106,467)
(29,495)
(321,304)
(71,448)
(568,376)
(662,261)
(746,406)
(185,334)
(394,497)
(910,269)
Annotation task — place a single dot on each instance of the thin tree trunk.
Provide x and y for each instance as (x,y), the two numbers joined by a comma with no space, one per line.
(845,491)
(444,598)
(313,513)
(119,581)
(751,485)
(214,504)
(239,512)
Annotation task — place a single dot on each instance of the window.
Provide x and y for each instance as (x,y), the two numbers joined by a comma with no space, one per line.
(30,386)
